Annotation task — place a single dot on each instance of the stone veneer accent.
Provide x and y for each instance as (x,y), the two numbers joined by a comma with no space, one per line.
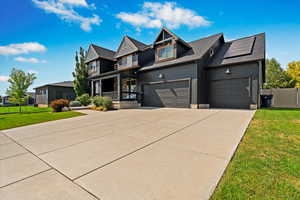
(204,106)
(126,104)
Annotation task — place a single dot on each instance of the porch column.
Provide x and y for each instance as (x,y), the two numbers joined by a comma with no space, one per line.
(119,87)
(100,87)
(92,88)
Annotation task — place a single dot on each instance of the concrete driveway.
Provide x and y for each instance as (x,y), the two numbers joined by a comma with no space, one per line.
(127,154)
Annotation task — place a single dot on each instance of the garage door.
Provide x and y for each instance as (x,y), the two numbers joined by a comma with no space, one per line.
(175,94)
(229,93)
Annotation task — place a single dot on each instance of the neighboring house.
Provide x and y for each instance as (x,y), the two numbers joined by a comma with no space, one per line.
(45,94)
(208,72)
(30,100)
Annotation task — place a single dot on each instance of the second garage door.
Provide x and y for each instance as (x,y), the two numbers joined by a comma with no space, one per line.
(229,93)
(174,94)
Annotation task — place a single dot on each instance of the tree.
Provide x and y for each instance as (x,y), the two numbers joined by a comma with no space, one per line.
(276,77)
(19,83)
(81,84)
(294,72)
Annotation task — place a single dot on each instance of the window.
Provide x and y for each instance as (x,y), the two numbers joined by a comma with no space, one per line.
(211,52)
(165,52)
(93,66)
(134,57)
(128,61)
(129,88)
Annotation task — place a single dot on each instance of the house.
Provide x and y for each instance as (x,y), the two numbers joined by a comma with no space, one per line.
(45,94)
(30,101)
(205,73)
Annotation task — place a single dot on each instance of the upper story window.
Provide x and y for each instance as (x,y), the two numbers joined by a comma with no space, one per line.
(128,61)
(165,52)
(93,66)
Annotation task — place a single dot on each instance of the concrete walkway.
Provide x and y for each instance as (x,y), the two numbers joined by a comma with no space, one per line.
(127,154)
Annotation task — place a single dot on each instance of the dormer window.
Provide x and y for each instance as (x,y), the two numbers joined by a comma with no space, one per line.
(165,52)
(129,60)
(93,66)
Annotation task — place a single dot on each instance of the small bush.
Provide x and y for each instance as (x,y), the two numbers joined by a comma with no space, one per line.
(58,104)
(75,104)
(107,103)
(97,101)
(84,99)
(102,103)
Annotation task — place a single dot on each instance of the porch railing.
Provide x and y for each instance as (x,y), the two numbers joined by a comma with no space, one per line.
(127,96)
(113,95)
(130,96)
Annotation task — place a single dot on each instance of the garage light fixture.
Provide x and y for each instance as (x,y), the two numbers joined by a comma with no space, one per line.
(228,71)
(161,76)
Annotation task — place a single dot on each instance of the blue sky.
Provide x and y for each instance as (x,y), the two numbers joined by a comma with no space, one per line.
(42,36)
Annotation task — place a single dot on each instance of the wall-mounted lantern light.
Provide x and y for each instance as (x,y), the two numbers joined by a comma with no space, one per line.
(161,76)
(228,71)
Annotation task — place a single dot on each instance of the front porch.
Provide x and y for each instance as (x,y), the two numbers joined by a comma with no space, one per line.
(121,88)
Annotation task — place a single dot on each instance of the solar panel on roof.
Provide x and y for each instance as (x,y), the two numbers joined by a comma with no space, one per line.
(240,47)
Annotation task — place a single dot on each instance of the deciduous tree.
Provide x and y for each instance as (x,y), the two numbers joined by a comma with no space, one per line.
(294,72)
(19,83)
(276,77)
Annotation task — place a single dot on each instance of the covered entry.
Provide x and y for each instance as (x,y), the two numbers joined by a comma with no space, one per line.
(230,93)
(173,94)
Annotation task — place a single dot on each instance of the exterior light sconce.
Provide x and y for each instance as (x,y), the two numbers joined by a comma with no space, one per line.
(228,71)
(161,76)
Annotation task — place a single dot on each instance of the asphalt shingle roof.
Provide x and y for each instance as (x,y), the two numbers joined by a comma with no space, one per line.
(59,84)
(104,53)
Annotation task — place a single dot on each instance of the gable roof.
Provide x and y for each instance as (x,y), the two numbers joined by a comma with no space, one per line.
(173,35)
(141,46)
(129,45)
(103,52)
(59,84)
(256,51)
(198,49)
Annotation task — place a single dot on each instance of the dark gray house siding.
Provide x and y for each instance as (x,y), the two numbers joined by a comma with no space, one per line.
(187,72)
(237,74)
(106,66)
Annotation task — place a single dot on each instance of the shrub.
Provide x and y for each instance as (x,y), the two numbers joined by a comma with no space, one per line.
(107,103)
(100,108)
(75,104)
(84,99)
(97,101)
(58,104)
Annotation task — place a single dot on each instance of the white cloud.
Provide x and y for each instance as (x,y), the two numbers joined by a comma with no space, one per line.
(4,78)
(29,60)
(64,10)
(32,71)
(155,15)
(22,48)
(75,2)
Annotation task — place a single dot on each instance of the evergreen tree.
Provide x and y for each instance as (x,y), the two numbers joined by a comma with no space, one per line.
(81,84)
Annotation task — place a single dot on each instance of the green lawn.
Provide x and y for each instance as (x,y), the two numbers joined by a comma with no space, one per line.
(21,119)
(10,109)
(267,162)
